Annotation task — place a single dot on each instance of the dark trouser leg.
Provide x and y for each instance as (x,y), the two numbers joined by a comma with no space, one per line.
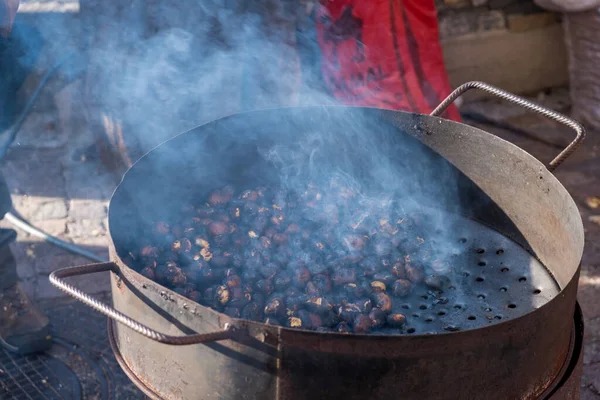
(23,327)
(8,265)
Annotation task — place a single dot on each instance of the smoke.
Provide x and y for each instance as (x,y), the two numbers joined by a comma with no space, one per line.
(174,77)
(199,62)
(389,180)
(186,64)
(163,68)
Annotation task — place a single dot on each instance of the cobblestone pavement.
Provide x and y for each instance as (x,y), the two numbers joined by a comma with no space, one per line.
(59,185)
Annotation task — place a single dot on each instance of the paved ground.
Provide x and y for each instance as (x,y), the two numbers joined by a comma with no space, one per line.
(59,185)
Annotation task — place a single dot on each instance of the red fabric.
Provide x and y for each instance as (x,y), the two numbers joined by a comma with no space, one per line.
(383,53)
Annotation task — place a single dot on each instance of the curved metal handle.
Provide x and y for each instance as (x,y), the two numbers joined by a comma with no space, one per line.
(56,278)
(553,115)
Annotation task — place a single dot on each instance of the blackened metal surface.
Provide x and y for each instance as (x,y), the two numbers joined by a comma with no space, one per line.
(499,185)
(288,364)
(121,361)
(508,189)
(493,279)
(569,385)
(566,387)
(216,365)
(366,367)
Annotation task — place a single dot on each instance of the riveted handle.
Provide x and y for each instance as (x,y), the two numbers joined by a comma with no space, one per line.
(56,278)
(553,115)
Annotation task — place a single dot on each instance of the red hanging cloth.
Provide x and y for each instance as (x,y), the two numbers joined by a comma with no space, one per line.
(383,53)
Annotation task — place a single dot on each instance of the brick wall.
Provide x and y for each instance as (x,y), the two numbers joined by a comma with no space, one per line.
(512,44)
(468,17)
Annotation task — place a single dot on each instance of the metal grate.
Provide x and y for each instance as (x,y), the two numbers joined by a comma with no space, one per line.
(80,365)
(36,377)
(85,330)
(493,279)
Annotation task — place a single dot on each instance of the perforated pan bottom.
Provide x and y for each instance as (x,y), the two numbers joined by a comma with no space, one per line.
(493,279)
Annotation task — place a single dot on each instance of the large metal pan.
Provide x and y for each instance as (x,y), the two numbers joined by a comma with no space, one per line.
(177,349)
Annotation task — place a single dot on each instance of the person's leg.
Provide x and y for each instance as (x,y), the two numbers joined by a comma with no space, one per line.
(23,327)
(8,270)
